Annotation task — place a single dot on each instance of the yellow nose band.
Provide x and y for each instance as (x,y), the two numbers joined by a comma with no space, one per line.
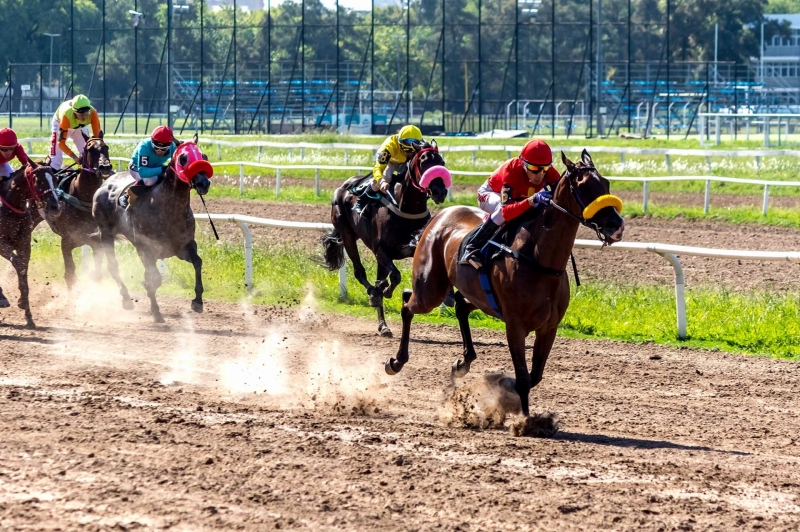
(606,200)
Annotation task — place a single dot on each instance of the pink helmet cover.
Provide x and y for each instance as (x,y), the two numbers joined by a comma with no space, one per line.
(434,172)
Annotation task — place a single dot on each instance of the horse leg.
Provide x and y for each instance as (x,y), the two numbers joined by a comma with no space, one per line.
(515,335)
(97,255)
(383,329)
(463,310)
(394,365)
(189,254)
(3,300)
(20,262)
(542,346)
(69,263)
(152,280)
(113,268)
(351,247)
(386,288)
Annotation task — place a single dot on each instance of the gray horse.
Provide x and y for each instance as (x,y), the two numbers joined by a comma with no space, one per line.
(159,223)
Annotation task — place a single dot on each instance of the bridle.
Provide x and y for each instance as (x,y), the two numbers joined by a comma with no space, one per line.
(30,181)
(588,211)
(413,173)
(84,167)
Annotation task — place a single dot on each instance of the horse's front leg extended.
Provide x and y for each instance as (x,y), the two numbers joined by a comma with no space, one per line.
(69,263)
(387,288)
(189,254)
(377,301)
(463,309)
(516,334)
(152,280)
(394,365)
(3,300)
(20,263)
(541,350)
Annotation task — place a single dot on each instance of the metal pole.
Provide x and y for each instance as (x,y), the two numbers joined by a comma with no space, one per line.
(41,88)
(408,60)
(680,296)
(202,64)
(303,66)
(516,62)
(72,44)
(444,62)
(669,61)
(552,70)
(480,67)
(269,64)
(630,92)
(335,117)
(371,73)
(599,64)
(236,74)
(105,105)
(590,95)
(169,62)
(136,70)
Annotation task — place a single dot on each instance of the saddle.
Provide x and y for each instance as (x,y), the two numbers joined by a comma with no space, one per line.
(63,186)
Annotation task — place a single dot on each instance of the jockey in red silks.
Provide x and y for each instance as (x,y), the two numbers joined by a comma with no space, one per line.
(516,186)
(10,148)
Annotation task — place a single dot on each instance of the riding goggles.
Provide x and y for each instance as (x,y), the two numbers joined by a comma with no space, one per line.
(414,144)
(82,110)
(535,168)
(7,148)
(158,146)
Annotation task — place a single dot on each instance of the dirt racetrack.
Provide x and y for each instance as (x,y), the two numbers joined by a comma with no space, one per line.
(247,418)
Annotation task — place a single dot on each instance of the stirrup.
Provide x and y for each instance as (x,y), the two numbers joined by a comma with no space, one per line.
(470,259)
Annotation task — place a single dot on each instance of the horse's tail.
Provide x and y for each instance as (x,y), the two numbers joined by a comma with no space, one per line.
(334,250)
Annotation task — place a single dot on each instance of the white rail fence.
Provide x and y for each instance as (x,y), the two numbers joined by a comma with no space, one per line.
(668,252)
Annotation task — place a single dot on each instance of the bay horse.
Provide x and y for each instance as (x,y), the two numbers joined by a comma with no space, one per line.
(392,230)
(159,223)
(29,183)
(528,282)
(75,224)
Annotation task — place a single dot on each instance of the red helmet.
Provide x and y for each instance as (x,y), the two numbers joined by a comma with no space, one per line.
(162,135)
(537,152)
(8,139)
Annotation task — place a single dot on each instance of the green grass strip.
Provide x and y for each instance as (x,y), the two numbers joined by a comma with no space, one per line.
(755,323)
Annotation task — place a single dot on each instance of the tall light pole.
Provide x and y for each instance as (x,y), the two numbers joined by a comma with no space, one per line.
(52,36)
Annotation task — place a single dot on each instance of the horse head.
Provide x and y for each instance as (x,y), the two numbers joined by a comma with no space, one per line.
(95,157)
(191,166)
(41,187)
(428,173)
(590,200)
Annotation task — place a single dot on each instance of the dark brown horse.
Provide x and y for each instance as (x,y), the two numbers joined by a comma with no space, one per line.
(390,231)
(159,224)
(17,223)
(531,290)
(75,224)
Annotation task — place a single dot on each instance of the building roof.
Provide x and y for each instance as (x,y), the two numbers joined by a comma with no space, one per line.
(793,18)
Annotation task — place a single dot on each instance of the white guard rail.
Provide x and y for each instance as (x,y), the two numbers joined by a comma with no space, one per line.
(668,251)
(121,161)
(243,222)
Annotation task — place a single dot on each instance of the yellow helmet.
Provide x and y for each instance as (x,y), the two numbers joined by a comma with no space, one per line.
(410,138)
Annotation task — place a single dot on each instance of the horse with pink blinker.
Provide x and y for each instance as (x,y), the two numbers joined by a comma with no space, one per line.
(392,229)
(160,223)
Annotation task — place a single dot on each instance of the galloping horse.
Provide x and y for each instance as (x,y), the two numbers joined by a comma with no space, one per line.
(75,225)
(17,222)
(159,224)
(528,283)
(391,233)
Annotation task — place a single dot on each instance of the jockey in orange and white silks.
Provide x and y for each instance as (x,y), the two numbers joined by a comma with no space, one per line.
(70,119)
(10,149)
(516,186)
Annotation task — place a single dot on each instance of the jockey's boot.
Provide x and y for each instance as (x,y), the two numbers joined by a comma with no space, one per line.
(472,253)
(362,202)
(130,198)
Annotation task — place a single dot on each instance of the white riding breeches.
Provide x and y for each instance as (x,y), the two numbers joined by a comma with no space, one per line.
(149,181)
(491,202)
(56,155)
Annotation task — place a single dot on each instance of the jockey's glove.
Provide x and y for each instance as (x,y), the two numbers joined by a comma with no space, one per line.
(541,197)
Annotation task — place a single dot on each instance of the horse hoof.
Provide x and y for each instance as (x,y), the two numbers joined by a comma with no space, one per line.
(197,306)
(460,369)
(30,325)
(127,304)
(385,331)
(4,303)
(389,368)
(387,294)
(158,318)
